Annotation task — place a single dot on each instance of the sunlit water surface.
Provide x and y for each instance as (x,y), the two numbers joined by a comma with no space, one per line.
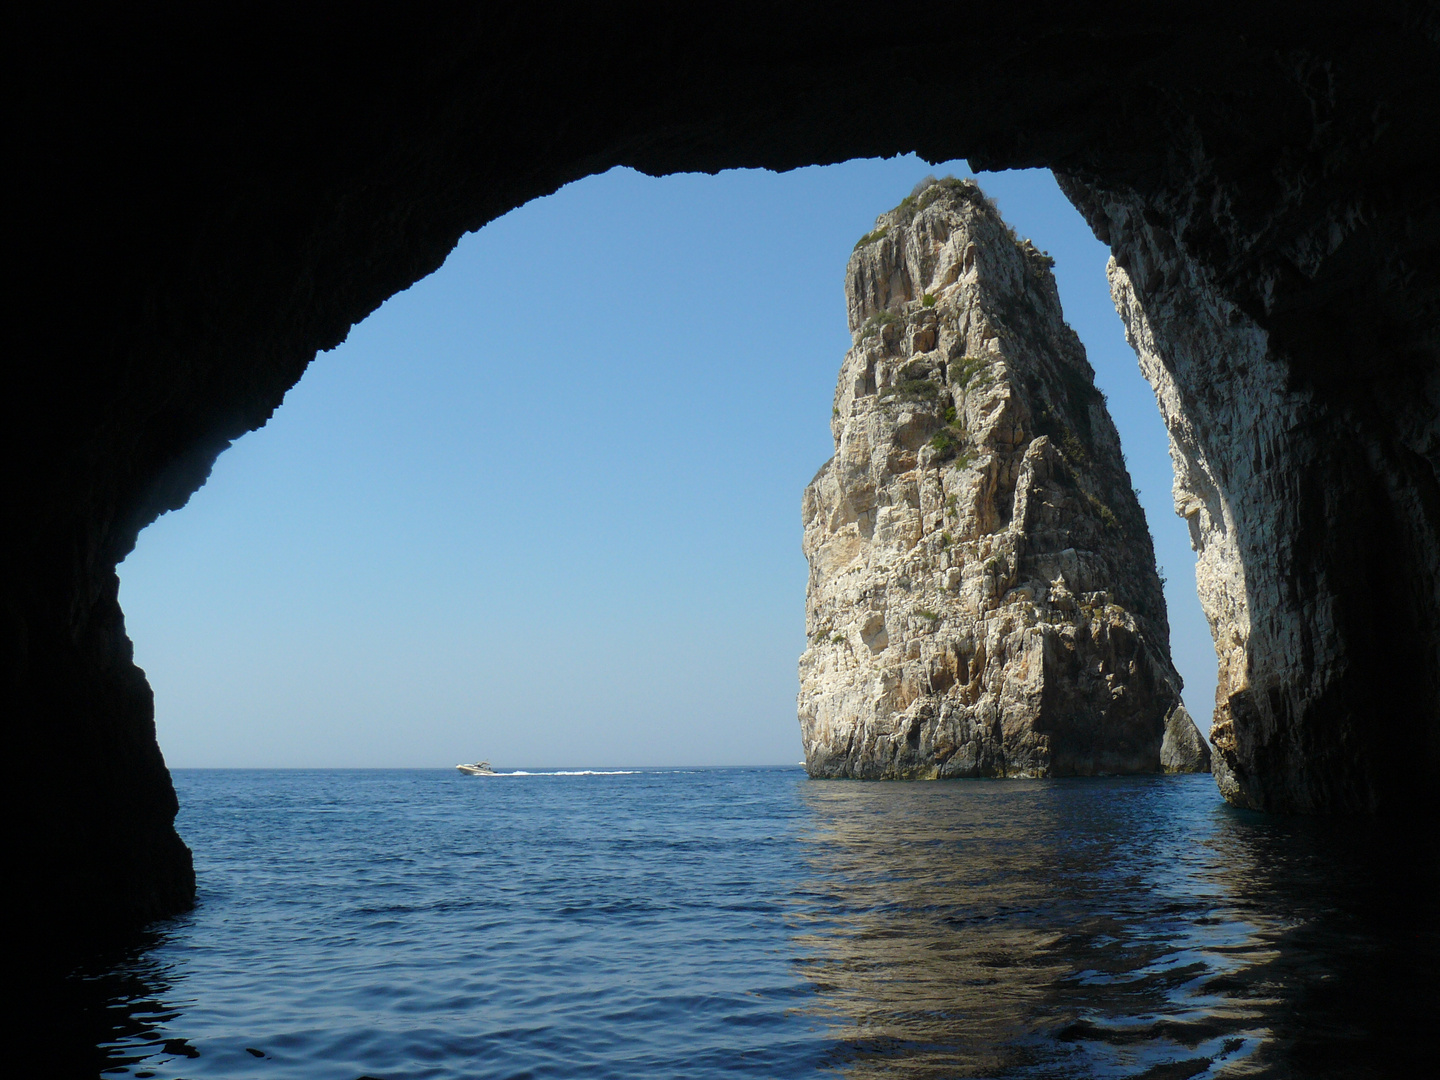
(408,924)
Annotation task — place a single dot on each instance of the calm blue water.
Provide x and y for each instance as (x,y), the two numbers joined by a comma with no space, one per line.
(713,923)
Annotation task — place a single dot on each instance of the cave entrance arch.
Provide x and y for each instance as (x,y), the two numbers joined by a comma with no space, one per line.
(210,198)
(480,517)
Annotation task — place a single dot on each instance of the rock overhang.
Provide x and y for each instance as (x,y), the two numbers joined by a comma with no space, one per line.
(209,198)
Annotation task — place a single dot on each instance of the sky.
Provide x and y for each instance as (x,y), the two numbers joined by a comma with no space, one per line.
(543,507)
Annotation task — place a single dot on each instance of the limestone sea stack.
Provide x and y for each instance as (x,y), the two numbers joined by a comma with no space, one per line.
(983,598)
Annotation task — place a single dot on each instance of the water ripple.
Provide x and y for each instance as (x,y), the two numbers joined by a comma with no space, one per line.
(706,923)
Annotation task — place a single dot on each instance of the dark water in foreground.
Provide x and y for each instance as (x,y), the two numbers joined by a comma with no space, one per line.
(416,924)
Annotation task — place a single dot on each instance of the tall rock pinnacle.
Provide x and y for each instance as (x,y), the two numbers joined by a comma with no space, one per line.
(983,599)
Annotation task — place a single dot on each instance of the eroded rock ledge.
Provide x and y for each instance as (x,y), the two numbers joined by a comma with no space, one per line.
(983,599)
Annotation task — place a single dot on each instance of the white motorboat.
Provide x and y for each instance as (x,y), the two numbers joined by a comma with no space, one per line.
(480,768)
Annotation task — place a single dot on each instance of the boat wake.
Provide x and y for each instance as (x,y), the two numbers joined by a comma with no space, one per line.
(574,772)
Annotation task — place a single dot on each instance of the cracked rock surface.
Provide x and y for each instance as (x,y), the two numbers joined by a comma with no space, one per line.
(983,599)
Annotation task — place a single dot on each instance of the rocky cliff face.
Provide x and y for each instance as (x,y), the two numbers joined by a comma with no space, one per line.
(1318,564)
(983,598)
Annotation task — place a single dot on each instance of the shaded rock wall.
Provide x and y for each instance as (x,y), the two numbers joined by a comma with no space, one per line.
(206,197)
(1315,532)
(983,599)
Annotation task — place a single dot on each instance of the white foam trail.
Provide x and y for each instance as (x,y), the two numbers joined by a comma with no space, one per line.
(574,772)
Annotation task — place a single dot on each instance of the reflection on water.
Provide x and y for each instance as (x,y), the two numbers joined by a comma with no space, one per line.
(105,1012)
(729,923)
(1113,928)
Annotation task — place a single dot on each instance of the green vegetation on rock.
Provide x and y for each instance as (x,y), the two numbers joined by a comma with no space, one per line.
(875,322)
(910,390)
(870,237)
(1106,515)
(966,369)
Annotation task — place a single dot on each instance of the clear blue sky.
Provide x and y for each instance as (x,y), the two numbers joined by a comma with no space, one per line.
(544,506)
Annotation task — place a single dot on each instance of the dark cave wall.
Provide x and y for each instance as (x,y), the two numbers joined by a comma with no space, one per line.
(1285,271)
(1316,535)
(207,199)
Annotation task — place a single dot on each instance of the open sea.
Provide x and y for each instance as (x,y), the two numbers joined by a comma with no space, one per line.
(417,924)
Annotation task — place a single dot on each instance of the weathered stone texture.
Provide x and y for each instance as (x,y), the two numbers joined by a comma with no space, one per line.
(1183,748)
(1311,528)
(983,599)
